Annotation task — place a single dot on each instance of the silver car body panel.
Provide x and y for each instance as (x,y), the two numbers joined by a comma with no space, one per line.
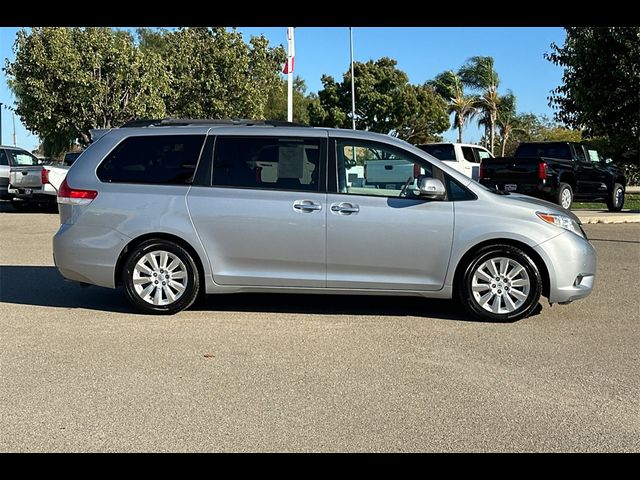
(250,240)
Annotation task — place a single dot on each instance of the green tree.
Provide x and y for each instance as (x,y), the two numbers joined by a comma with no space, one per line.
(449,86)
(385,102)
(67,81)
(276,107)
(601,84)
(215,74)
(506,119)
(478,73)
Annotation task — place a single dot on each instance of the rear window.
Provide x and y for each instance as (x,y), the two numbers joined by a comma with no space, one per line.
(169,159)
(24,159)
(441,152)
(549,150)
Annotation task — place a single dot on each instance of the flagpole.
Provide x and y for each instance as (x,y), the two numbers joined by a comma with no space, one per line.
(353,89)
(290,55)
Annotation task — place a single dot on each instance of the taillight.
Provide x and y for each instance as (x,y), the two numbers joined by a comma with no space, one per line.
(44,176)
(416,170)
(481,172)
(542,171)
(75,196)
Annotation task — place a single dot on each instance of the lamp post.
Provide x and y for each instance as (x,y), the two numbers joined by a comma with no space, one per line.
(353,88)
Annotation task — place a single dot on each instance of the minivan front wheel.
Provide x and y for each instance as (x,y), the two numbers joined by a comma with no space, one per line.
(501,283)
(160,277)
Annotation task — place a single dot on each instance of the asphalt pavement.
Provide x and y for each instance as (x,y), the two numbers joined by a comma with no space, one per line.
(82,372)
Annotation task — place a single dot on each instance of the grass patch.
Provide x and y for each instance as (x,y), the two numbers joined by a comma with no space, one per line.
(631,202)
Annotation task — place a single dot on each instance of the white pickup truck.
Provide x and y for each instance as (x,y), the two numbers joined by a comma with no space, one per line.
(33,183)
(463,157)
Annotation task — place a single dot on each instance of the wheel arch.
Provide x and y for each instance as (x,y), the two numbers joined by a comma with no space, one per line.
(537,259)
(159,236)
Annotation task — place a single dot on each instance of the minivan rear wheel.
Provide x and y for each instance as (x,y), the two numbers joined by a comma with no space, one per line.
(501,283)
(160,277)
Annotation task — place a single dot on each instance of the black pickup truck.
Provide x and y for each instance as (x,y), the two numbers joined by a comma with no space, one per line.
(557,171)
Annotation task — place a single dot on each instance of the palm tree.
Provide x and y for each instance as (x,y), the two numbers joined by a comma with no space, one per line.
(449,85)
(507,121)
(478,73)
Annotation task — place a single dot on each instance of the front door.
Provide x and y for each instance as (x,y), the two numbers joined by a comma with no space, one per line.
(262,220)
(379,236)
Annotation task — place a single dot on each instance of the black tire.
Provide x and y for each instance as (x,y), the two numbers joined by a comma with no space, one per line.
(615,198)
(192,282)
(564,195)
(465,294)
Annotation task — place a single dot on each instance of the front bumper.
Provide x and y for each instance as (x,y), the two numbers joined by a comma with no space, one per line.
(571,262)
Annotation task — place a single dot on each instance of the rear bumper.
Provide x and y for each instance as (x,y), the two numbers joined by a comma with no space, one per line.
(540,190)
(36,194)
(571,261)
(88,254)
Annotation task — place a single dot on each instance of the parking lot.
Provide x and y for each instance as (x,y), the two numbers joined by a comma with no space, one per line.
(81,372)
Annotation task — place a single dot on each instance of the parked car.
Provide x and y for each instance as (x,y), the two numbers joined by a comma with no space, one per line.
(177,208)
(12,157)
(463,157)
(29,184)
(70,157)
(558,171)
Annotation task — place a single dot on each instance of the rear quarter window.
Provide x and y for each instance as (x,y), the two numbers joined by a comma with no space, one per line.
(168,159)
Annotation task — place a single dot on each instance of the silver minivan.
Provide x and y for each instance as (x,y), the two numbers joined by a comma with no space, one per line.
(173,209)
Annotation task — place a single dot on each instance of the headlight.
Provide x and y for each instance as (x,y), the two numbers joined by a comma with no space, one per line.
(561,221)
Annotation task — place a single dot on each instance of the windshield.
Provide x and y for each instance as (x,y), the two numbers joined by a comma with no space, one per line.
(441,152)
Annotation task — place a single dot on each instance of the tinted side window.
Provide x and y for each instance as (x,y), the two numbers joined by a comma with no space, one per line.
(441,152)
(580,153)
(169,159)
(3,158)
(267,162)
(467,153)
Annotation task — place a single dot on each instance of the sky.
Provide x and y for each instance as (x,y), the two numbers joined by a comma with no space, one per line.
(421,52)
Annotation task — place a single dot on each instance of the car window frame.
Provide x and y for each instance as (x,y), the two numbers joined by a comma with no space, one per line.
(173,134)
(203,176)
(333,182)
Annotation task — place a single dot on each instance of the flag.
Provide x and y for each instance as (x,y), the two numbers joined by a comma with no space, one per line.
(288,67)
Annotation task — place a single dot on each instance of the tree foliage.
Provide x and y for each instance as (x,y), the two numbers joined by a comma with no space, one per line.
(385,102)
(478,73)
(601,84)
(69,80)
(215,74)
(464,107)
(276,107)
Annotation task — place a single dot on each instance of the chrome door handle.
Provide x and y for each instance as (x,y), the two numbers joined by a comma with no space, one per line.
(345,208)
(306,206)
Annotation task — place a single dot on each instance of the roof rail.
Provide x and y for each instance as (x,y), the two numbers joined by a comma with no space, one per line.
(180,122)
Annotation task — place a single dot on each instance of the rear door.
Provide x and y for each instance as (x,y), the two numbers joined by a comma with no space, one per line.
(586,180)
(378,239)
(261,211)
(600,176)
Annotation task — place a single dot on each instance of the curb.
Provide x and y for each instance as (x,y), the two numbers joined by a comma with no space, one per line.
(624,218)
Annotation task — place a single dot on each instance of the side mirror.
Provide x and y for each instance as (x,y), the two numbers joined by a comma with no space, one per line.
(432,188)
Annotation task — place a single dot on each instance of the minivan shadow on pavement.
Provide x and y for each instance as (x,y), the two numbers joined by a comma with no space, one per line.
(44,286)
(333,305)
